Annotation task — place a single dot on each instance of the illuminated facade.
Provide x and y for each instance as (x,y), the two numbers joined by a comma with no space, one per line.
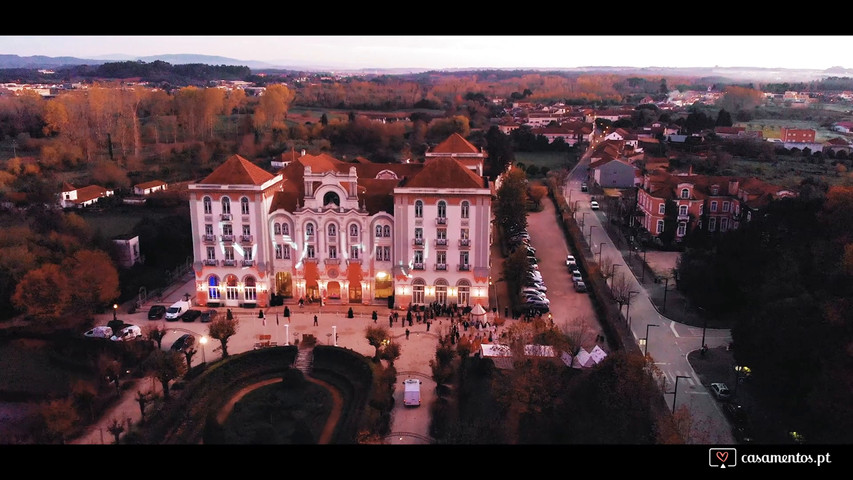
(347,233)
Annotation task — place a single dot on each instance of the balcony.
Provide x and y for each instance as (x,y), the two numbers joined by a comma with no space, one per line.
(228,263)
(440,241)
(464,242)
(417,241)
(441,266)
(441,221)
(208,238)
(417,266)
(225,217)
(246,238)
(228,238)
(248,263)
(333,261)
(464,267)
(211,262)
(354,261)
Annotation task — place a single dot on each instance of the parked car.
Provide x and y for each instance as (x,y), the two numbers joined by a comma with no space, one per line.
(593,205)
(209,315)
(191,315)
(99,332)
(576,277)
(156,312)
(570,260)
(580,286)
(720,391)
(584,187)
(126,334)
(183,343)
(736,414)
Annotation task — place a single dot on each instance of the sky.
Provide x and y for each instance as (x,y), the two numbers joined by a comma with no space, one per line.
(474,51)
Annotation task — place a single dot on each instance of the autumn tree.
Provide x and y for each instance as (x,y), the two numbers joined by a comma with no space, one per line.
(536,193)
(43,293)
(737,98)
(167,366)
(59,418)
(511,204)
(441,128)
(222,329)
(272,107)
(95,270)
(377,336)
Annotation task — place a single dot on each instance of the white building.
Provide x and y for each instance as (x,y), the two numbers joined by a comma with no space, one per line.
(345,232)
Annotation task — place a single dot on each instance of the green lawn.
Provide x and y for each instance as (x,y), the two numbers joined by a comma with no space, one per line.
(551,160)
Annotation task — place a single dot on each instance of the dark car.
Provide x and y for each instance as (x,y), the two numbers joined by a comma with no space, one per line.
(183,343)
(190,315)
(156,312)
(209,315)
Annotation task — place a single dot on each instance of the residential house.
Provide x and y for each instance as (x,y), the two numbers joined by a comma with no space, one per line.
(73,197)
(127,250)
(147,188)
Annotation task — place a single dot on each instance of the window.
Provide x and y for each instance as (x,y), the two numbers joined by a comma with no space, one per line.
(659,227)
(277,228)
(441,257)
(332,230)
(227,229)
(714,206)
(463,293)
(249,289)
(208,208)
(463,234)
(662,208)
(286,251)
(226,205)
(213,290)
(386,254)
(465,209)
(419,209)
(724,224)
(285,229)
(211,253)
(244,205)
(353,230)
(419,236)
(418,291)
(333,252)
(208,229)
(278,252)
(682,229)
(247,229)
(378,253)
(386,231)
(309,229)
(310,251)
(463,259)
(442,209)
(441,234)
(701,209)
(682,210)
(725,206)
(247,254)
(353,252)
(685,193)
(378,231)
(419,256)
(229,253)
(712,224)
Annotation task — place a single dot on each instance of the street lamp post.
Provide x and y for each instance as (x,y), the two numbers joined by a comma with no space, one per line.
(643,277)
(704,325)
(599,249)
(613,273)
(665,288)
(675,393)
(646,343)
(115,309)
(628,311)
(203,341)
(590,237)
(583,219)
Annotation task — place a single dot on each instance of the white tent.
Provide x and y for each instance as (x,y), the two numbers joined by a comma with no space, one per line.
(478,313)
(597,354)
(583,360)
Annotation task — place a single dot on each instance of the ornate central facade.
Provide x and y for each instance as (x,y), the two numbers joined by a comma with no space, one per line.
(344,232)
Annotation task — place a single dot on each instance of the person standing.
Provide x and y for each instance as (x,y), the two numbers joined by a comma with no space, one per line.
(315,320)
(407,334)
(287,314)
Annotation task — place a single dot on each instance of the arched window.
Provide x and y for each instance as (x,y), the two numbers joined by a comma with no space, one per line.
(331,198)
(353,230)
(213,287)
(386,231)
(442,209)
(309,229)
(285,229)
(277,228)
(249,291)
(244,205)
(418,291)
(226,205)
(333,231)
(378,231)
(208,208)
(419,209)
(465,206)
(685,193)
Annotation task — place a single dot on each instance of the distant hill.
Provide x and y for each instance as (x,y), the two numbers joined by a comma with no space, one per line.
(734,73)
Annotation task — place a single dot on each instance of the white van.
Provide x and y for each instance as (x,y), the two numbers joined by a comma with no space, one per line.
(411,392)
(99,332)
(177,309)
(127,333)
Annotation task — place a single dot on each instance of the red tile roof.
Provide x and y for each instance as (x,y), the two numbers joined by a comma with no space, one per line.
(445,172)
(237,171)
(455,144)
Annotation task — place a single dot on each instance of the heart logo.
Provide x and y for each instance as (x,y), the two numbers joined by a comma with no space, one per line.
(723,456)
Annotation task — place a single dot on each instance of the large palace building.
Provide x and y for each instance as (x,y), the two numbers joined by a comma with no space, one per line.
(345,232)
